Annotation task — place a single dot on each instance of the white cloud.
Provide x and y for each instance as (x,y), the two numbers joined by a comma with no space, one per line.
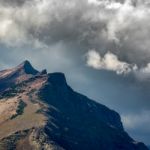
(146,69)
(114,5)
(109,62)
(96,2)
(11,34)
(143,73)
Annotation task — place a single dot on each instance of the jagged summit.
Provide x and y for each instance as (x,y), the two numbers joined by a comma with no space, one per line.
(18,74)
(25,62)
(27,67)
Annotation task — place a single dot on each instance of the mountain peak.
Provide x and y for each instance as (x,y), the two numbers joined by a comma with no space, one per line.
(25,62)
(46,112)
(27,67)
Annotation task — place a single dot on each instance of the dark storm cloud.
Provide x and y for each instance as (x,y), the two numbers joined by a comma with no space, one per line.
(121,27)
(59,35)
(12,3)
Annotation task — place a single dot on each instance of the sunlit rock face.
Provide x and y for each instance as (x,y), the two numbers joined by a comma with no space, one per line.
(18,74)
(48,114)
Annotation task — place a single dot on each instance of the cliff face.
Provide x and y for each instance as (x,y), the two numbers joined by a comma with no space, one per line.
(40,111)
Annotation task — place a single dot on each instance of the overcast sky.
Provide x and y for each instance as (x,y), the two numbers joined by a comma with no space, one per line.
(101,45)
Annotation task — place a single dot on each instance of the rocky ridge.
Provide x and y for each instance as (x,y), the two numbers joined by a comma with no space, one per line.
(40,111)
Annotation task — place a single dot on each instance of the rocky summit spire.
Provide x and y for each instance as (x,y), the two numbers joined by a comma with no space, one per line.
(27,67)
(16,75)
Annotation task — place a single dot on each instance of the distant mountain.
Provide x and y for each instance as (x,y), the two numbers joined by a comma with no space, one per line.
(39,111)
